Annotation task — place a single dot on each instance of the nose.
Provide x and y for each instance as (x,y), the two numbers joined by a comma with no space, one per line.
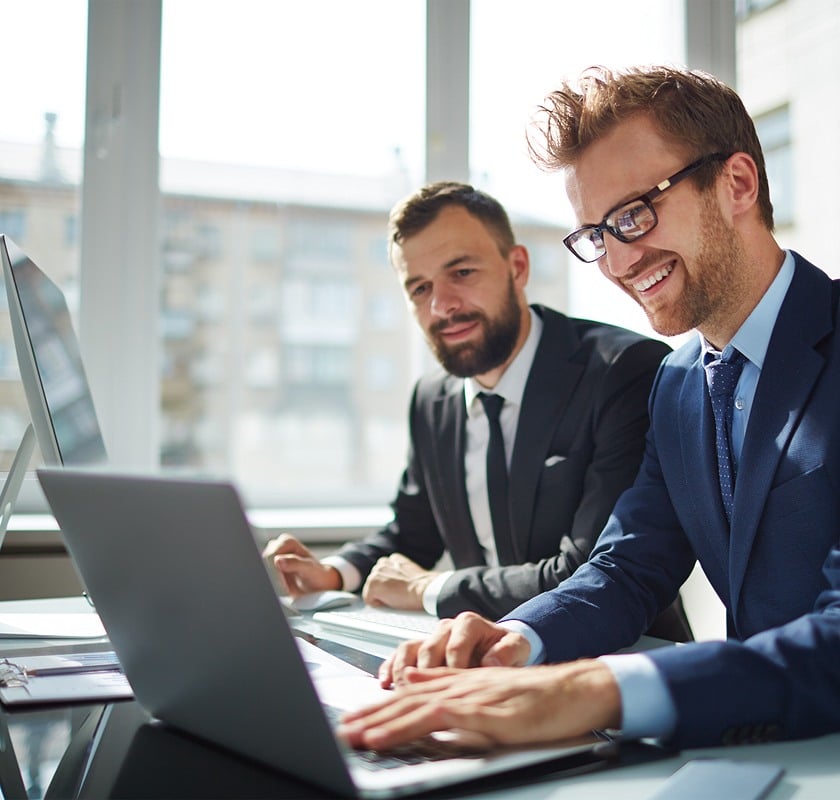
(445,301)
(619,257)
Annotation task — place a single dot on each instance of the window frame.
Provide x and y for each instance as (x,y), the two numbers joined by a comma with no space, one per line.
(121,224)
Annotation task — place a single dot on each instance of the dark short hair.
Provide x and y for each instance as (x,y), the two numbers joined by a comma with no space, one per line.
(417,211)
(697,112)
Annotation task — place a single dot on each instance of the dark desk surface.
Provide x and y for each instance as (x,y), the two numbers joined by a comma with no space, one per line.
(116,751)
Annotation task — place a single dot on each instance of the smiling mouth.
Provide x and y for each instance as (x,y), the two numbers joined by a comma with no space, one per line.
(652,280)
(456,327)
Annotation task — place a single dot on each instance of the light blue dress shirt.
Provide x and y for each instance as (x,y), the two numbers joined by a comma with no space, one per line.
(646,705)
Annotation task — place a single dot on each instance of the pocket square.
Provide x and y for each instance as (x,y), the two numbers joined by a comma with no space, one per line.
(552,460)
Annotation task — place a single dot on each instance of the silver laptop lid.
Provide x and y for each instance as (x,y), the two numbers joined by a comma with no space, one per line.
(178,581)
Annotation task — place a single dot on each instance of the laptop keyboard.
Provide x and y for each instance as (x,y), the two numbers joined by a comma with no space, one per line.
(419,752)
(386,622)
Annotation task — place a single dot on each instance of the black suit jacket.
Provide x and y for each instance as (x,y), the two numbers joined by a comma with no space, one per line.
(578,445)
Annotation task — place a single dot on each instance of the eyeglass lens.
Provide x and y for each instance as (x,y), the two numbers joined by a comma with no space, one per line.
(625,223)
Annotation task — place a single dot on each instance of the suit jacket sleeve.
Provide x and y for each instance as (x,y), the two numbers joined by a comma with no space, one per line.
(782,679)
(612,431)
(413,530)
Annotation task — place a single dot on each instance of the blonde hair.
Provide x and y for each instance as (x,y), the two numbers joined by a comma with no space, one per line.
(693,109)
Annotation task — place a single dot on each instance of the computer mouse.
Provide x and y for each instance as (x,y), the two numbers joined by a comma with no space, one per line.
(321,601)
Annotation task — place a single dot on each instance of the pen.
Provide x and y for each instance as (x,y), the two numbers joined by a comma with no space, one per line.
(75,669)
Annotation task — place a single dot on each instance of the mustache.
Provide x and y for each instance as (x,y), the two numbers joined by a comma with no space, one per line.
(456,319)
(647,261)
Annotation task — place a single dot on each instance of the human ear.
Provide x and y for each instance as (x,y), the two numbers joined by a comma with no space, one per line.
(520,264)
(740,183)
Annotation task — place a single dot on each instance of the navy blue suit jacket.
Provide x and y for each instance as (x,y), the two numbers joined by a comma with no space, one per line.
(777,572)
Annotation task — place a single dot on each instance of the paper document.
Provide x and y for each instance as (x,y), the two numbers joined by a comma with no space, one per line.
(50,618)
(65,678)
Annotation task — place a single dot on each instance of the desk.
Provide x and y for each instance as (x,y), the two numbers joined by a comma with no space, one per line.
(115,750)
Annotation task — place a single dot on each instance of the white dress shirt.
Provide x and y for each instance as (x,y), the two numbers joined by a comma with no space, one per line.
(511,386)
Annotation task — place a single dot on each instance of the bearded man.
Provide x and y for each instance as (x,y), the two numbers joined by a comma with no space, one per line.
(570,430)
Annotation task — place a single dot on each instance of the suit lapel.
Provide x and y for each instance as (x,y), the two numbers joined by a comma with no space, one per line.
(790,370)
(550,385)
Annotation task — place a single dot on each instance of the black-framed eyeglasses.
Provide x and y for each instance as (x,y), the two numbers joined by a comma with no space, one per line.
(630,220)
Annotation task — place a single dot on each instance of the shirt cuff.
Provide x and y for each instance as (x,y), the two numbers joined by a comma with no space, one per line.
(351,578)
(647,710)
(537,654)
(432,592)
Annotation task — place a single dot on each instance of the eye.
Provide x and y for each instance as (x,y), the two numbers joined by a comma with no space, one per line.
(417,292)
(633,218)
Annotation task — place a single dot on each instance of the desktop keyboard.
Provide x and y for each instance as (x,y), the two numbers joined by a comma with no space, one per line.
(401,625)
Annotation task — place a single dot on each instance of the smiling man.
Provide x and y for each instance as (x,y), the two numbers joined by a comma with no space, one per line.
(517,503)
(741,469)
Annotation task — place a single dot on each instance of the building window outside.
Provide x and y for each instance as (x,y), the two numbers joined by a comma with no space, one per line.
(13,224)
(274,255)
(745,8)
(774,133)
(41,133)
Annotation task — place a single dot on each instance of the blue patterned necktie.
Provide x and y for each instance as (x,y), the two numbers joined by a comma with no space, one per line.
(497,477)
(721,378)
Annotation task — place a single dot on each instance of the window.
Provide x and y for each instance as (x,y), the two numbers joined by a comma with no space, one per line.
(41,132)
(282,164)
(516,60)
(266,334)
(774,133)
(747,7)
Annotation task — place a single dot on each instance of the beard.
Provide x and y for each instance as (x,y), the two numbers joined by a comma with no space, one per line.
(476,358)
(714,283)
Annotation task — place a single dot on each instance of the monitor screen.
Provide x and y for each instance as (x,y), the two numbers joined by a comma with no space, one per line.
(53,376)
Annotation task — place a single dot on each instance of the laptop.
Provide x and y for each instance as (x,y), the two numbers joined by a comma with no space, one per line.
(176,576)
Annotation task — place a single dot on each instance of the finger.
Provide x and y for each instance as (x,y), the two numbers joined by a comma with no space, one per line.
(468,640)
(395,724)
(386,672)
(404,656)
(370,591)
(379,565)
(418,675)
(512,650)
(289,564)
(399,561)
(432,650)
(302,573)
(281,578)
(285,544)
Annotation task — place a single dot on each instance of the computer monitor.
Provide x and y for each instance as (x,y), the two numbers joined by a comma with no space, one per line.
(51,370)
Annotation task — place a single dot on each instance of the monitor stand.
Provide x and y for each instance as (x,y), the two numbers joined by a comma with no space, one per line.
(14,479)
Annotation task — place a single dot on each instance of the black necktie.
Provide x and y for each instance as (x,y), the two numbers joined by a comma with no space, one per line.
(721,377)
(497,477)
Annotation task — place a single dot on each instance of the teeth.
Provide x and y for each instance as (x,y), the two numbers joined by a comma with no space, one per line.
(652,280)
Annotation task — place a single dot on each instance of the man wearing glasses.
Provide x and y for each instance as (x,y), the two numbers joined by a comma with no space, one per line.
(740,472)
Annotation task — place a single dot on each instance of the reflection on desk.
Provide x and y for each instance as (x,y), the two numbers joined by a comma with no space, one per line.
(116,751)
(101,751)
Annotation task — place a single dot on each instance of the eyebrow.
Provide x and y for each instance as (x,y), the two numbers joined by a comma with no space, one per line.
(453,263)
